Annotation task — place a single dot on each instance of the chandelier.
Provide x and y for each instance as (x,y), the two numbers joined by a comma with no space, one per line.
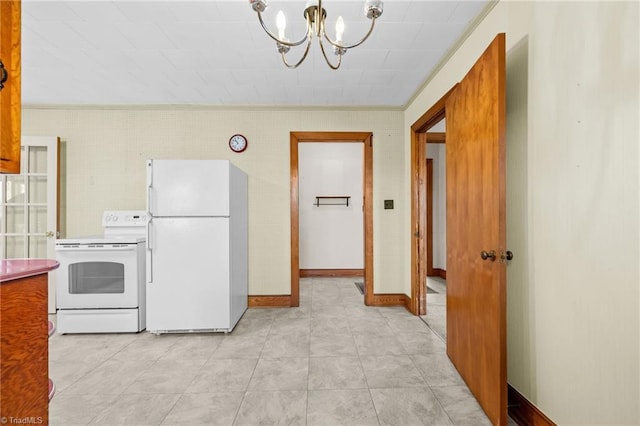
(315,16)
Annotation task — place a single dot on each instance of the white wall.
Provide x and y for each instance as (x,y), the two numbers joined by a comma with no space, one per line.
(331,236)
(572,201)
(437,152)
(106,150)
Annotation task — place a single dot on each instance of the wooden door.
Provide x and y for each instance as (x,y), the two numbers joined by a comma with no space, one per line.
(10,113)
(476,294)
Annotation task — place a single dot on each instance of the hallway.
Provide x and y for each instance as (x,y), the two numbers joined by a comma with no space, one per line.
(332,361)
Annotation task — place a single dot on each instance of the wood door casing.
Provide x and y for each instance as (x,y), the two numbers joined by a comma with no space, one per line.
(476,288)
(10,100)
(436,137)
(418,301)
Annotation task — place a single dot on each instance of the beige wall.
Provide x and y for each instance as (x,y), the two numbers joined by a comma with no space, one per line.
(572,202)
(105,152)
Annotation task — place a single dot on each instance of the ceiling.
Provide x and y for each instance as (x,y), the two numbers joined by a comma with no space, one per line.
(215,53)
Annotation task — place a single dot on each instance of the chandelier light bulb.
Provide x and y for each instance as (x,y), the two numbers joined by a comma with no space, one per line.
(281,23)
(339,29)
(315,16)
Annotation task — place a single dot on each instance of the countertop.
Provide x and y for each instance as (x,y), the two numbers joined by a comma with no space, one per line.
(13,269)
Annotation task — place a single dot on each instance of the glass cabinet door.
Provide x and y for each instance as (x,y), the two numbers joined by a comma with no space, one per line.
(24,207)
(28,204)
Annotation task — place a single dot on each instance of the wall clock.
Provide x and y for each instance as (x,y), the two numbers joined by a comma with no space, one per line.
(237,143)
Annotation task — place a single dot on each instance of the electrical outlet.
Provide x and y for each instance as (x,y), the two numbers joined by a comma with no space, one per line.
(388,204)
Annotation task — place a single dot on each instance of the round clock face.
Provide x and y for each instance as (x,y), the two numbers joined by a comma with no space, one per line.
(238,143)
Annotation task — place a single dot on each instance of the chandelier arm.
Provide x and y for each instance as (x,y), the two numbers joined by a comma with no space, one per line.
(315,16)
(283,42)
(304,56)
(333,67)
(335,44)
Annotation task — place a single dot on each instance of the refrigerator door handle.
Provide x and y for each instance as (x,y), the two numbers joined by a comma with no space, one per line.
(149,186)
(149,262)
(149,201)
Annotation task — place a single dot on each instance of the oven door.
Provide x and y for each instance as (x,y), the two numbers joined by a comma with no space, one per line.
(97,276)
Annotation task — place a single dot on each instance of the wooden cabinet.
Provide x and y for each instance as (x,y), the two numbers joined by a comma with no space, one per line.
(24,341)
(10,101)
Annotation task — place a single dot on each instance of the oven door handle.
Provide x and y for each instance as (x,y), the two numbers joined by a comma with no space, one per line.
(129,247)
(149,262)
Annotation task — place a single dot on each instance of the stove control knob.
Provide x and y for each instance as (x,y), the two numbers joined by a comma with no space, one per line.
(114,218)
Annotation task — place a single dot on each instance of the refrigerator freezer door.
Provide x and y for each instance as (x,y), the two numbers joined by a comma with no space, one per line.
(190,287)
(188,188)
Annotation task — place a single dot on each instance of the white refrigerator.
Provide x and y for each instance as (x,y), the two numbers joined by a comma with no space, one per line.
(197,245)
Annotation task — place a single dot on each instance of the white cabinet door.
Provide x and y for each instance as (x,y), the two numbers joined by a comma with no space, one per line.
(29,206)
(188,288)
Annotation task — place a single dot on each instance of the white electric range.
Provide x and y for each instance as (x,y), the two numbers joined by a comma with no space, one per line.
(100,286)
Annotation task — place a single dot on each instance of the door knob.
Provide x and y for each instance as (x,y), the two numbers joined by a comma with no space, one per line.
(3,75)
(488,255)
(49,234)
(506,255)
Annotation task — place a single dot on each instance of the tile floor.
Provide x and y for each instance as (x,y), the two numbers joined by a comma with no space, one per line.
(332,361)
(436,317)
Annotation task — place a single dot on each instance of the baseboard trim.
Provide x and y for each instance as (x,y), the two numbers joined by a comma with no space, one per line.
(440,273)
(524,412)
(284,301)
(407,302)
(278,301)
(391,299)
(331,273)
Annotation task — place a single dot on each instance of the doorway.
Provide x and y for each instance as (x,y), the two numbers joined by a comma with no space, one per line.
(436,246)
(365,138)
(330,209)
(419,205)
(436,201)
